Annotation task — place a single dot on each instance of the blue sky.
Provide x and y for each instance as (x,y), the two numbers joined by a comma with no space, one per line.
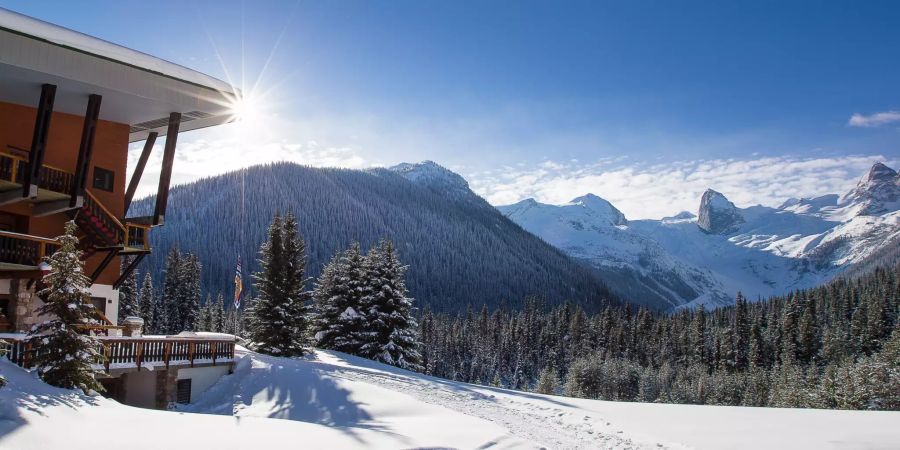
(543,99)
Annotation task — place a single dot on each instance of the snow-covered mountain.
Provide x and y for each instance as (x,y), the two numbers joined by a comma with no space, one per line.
(687,260)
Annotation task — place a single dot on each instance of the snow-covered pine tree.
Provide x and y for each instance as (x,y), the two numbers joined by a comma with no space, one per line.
(190,295)
(339,295)
(230,320)
(548,382)
(295,280)
(65,355)
(168,318)
(391,332)
(204,315)
(741,333)
(129,303)
(277,322)
(148,304)
(218,317)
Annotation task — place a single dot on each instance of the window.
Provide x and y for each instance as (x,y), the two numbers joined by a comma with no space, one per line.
(99,303)
(183,391)
(104,179)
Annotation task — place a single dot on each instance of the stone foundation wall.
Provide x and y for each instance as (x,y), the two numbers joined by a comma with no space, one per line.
(24,304)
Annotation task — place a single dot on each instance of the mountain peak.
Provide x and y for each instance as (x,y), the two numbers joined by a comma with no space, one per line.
(877,192)
(431,174)
(880,172)
(717,214)
(601,207)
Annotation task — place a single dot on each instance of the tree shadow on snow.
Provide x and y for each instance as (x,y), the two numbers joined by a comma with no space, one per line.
(290,391)
(24,392)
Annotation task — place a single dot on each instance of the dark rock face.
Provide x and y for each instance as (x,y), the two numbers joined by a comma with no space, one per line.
(717,214)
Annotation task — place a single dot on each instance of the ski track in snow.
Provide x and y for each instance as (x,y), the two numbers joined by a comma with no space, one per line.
(535,421)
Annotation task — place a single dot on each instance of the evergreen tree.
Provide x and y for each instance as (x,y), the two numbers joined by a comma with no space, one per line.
(741,332)
(66,355)
(390,333)
(129,302)
(548,382)
(168,318)
(277,323)
(218,315)
(189,296)
(204,315)
(149,306)
(339,299)
(698,336)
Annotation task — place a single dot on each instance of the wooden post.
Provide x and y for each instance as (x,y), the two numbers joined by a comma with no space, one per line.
(166,352)
(213,346)
(38,142)
(165,177)
(26,356)
(106,355)
(139,169)
(85,149)
(191,349)
(139,353)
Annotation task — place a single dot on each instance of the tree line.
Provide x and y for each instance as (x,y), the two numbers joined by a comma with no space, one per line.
(835,346)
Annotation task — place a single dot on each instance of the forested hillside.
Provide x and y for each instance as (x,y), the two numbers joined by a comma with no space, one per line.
(835,346)
(460,250)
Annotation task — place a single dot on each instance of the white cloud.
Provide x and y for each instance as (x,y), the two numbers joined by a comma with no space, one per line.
(874,120)
(654,191)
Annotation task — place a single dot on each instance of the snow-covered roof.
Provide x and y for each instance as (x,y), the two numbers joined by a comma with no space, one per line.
(138,89)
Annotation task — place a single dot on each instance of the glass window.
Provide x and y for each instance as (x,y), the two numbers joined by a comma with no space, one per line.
(104,179)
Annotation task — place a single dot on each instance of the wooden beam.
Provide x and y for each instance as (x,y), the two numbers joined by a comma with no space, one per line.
(86,148)
(109,256)
(131,266)
(162,194)
(139,169)
(32,175)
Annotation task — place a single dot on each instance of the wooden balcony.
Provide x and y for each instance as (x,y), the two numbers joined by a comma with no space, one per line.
(55,184)
(23,251)
(127,354)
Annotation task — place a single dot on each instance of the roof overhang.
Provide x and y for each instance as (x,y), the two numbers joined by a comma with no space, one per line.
(138,89)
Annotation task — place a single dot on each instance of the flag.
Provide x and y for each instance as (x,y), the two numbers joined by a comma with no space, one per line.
(238,285)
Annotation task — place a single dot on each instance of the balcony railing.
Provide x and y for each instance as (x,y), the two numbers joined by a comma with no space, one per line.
(137,353)
(13,167)
(138,235)
(24,249)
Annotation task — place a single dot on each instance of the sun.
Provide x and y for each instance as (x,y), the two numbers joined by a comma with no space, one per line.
(246,109)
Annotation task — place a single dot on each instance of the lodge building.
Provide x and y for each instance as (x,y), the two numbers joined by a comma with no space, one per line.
(70,106)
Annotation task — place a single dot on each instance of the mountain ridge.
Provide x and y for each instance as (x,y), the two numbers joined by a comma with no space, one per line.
(758,250)
(460,250)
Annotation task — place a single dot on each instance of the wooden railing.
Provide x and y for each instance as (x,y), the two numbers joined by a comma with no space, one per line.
(125,353)
(138,235)
(25,249)
(13,167)
(106,218)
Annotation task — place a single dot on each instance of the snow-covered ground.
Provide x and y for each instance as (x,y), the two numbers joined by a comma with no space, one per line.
(334,401)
